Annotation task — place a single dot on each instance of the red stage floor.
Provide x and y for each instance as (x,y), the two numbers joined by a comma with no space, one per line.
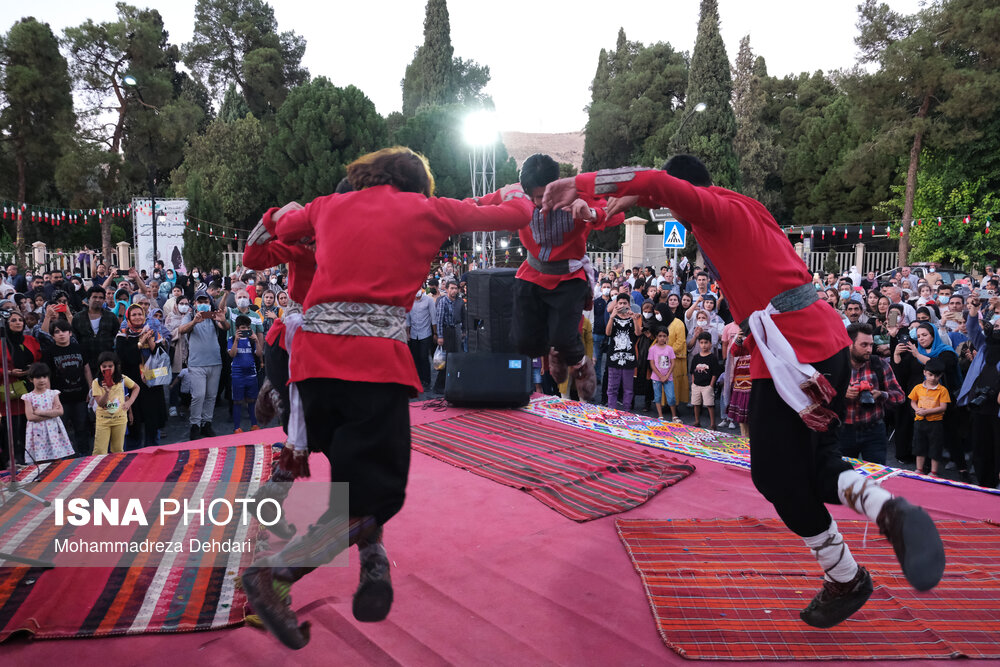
(484,574)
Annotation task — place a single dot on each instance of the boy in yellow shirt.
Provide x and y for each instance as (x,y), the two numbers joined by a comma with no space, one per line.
(929,400)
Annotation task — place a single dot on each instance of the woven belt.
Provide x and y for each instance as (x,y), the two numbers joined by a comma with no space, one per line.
(345,318)
(797,298)
(560,268)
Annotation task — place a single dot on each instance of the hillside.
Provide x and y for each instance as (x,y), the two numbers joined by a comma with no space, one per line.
(563,147)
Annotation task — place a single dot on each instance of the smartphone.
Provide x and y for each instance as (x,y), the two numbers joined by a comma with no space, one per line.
(893,318)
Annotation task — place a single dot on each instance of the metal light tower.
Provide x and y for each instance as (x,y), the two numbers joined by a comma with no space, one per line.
(481,136)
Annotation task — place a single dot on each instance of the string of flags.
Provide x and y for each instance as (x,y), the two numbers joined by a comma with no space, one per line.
(58,216)
(849,230)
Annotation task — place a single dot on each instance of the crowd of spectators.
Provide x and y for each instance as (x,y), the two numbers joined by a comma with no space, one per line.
(127,350)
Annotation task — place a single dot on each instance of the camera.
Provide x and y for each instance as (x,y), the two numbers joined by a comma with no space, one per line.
(865,393)
(243,334)
(980,396)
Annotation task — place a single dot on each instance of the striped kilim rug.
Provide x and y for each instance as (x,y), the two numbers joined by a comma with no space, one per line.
(132,595)
(731,589)
(581,476)
(718,446)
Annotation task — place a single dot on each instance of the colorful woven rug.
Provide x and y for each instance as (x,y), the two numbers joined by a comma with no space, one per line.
(582,478)
(131,599)
(731,589)
(715,446)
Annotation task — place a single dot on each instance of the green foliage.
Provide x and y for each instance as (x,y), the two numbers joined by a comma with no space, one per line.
(318,131)
(755,144)
(943,191)
(200,249)
(830,264)
(225,162)
(566,170)
(635,92)
(37,118)
(709,135)
(234,105)
(237,42)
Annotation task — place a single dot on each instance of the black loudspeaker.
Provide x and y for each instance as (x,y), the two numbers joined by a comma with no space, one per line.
(490,310)
(488,379)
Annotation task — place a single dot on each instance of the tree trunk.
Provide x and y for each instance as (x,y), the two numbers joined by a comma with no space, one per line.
(911,184)
(105,240)
(22,193)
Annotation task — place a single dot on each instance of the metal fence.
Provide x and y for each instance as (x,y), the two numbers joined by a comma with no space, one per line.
(604,261)
(877,261)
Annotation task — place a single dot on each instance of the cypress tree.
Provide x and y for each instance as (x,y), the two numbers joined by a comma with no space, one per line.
(429,78)
(709,135)
(755,145)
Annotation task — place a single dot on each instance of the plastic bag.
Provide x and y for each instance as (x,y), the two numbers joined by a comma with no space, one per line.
(156,370)
(440,358)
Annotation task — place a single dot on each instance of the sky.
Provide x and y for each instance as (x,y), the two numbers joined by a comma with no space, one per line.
(542,54)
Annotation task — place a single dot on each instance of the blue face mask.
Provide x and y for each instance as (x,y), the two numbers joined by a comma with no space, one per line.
(913,334)
(203,307)
(995,319)
(844,294)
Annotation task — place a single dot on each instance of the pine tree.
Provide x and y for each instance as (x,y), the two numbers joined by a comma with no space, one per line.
(758,154)
(709,135)
(429,78)
(38,118)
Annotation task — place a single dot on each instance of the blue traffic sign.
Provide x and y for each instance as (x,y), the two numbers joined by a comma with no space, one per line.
(674,235)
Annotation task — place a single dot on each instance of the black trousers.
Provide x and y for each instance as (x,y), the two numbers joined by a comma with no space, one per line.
(75,420)
(420,348)
(276,369)
(363,428)
(795,468)
(986,448)
(546,318)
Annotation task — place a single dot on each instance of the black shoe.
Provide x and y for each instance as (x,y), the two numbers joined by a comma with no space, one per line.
(373,599)
(206,430)
(195,432)
(835,602)
(916,541)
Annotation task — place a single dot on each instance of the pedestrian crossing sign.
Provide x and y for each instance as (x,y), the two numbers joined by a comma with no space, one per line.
(674,235)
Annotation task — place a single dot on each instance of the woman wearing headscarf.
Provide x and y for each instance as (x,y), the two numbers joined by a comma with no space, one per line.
(643,386)
(22,351)
(677,338)
(135,344)
(674,303)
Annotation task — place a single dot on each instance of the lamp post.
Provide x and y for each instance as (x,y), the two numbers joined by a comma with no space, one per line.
(481,135)
(133,83)
(698,108)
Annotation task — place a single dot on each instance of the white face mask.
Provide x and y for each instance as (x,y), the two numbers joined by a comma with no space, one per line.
(183,308)
(647,315)
(951,325)
(606,291)
(242,302)
(250,281)
(77,287)
(196,275)
(703,323)
(274,280)
(659,317)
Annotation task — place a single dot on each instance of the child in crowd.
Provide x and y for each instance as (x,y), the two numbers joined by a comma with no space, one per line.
(929,401)
(623,332)
(46,438)
(705,370)
(244,352)
(661,372)
(180,391)
(114,411)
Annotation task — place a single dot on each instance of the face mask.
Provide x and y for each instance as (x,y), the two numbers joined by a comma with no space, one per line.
(995,319)
(28,277)
(913,334)
(196,275)
(951,326)
(274,280)
(203,307)
(77,287)
(250,281)
(157,275)
(703,323)
(242,302)
(647,316)
(183,308)
(606,291)
(844,294)
(659,317)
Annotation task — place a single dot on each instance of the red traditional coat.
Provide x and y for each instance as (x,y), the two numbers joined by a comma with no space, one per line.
(376,246)
(753,257)
(558,237)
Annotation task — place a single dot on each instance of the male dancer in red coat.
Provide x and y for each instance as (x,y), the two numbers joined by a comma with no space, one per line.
(800,370)
(555,282)
(352,365)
